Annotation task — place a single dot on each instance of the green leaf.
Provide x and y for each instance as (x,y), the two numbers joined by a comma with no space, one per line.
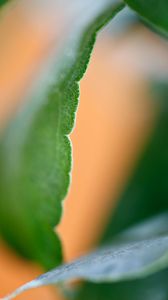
(135,253)
(35,151)
(145,195)
(155,12)
(3,2)
(154,287)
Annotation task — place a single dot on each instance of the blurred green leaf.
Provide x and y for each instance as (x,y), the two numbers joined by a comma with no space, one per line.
(3,2)
(35,151)
(133,254)
(154,287)
(145,195)
(153,11)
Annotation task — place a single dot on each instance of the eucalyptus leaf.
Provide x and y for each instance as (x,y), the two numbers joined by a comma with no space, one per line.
(126,258)
(35,151)
(153,11)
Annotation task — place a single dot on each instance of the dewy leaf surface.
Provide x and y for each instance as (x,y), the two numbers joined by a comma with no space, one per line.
(128,257)
(153,11)
(35,151)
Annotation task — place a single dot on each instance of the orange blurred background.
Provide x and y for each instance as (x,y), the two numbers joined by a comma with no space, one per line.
(114,119)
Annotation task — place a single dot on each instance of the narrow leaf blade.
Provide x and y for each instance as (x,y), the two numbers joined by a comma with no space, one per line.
(126,258)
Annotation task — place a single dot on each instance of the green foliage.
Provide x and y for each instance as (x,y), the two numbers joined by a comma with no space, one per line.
(145,196)
(35,151)
(35,163)
(3,2)
(150,288)
(154,12)
(146,193)
(135,253)
(142,249)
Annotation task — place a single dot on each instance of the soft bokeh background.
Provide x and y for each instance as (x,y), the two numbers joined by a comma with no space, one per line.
(114,120)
